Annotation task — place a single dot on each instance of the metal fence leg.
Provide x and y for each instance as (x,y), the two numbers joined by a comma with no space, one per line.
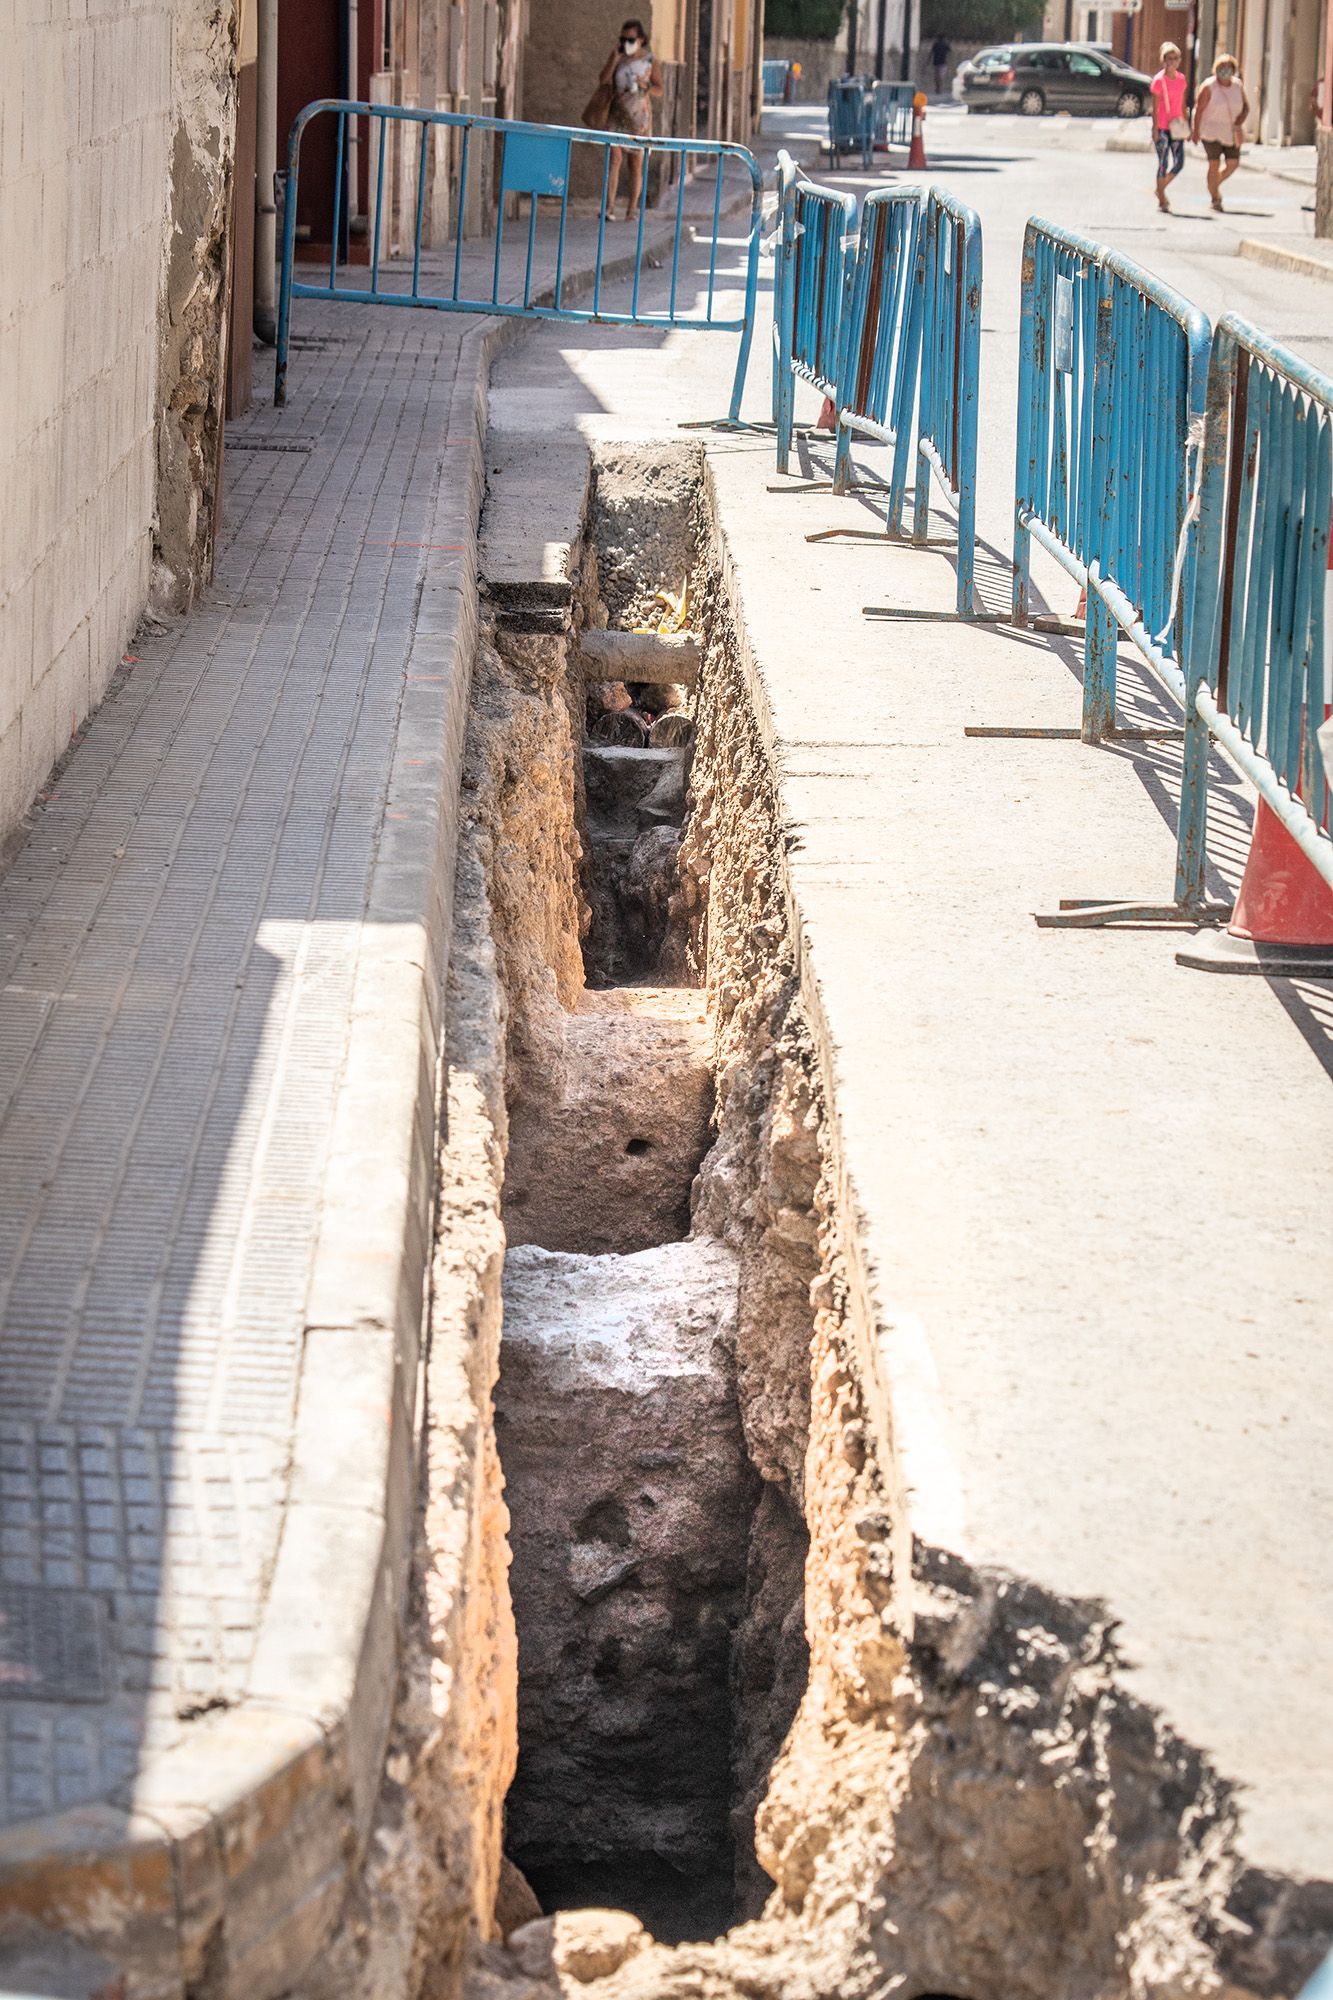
(1100,638)
(1192,826)
(288,261)
(967,364)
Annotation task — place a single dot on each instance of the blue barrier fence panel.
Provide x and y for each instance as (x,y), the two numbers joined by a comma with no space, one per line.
(532,167)
(882,338)
(813,265)
(950,375)
(1257,664)
(1057,344)
(851,117)
(1112,376)
(893,114)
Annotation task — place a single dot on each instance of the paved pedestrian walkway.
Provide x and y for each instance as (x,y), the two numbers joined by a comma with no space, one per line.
(180,937)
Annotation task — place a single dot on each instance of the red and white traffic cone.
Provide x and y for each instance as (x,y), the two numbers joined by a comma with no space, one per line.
(1283,920)
(916,158)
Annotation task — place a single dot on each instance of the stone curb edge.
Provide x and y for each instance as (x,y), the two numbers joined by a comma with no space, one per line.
(1279,258)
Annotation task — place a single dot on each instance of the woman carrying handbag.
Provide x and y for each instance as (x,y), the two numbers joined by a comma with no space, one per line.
(622,102)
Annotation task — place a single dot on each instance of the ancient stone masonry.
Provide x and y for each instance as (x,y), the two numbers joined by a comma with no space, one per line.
(193,308)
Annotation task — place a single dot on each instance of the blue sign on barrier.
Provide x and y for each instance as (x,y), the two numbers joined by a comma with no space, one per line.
(528,276)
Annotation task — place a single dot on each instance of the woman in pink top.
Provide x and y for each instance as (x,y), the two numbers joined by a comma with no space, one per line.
(1170,125)
(1219,123)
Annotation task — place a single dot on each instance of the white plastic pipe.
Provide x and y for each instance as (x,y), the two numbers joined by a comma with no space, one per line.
(266,169)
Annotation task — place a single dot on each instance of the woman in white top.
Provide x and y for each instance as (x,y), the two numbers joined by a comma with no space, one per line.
(1219,123)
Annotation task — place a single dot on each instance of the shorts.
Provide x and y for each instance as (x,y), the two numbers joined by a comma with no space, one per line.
(1170,154)
(1217,151)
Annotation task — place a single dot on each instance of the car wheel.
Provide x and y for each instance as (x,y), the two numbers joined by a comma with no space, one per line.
(1129,104)
(1031,104)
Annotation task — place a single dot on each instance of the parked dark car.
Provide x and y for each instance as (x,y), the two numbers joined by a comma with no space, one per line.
(1033,77)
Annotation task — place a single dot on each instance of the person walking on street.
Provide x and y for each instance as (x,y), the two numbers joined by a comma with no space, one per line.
(1170,125)
(634,78)
(940,51)
(1219,123)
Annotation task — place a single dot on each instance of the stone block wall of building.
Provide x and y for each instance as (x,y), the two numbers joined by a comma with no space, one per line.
(84,121)
(116,137)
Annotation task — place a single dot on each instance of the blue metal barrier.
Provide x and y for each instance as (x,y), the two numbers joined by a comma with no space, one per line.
(882,339)
(851,118)
(1112,374)
(536,164)
(776,81)
(950,374)
(893,114)
(809,283)
(1257,664)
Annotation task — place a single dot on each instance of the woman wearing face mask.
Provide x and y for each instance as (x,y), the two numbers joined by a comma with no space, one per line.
(1219,123)
(635,79)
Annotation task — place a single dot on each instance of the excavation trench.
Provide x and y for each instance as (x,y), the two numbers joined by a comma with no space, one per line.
(655,1578)
(668,1651)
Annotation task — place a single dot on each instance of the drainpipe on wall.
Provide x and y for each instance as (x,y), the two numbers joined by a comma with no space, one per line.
(853,37)
(350,91)
(266,170)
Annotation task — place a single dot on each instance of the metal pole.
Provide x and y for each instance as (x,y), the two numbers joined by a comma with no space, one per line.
(853,36)
(881,30)
(905,66)
(266,172)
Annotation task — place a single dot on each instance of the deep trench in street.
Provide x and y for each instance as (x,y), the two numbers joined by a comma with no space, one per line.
(656,1576)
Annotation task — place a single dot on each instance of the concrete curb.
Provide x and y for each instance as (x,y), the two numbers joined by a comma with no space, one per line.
(234,1853)
(1303,262)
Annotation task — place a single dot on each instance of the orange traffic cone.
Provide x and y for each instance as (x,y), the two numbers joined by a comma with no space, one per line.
(1283,919)
(917,157)
(1282,924)
(828,416)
